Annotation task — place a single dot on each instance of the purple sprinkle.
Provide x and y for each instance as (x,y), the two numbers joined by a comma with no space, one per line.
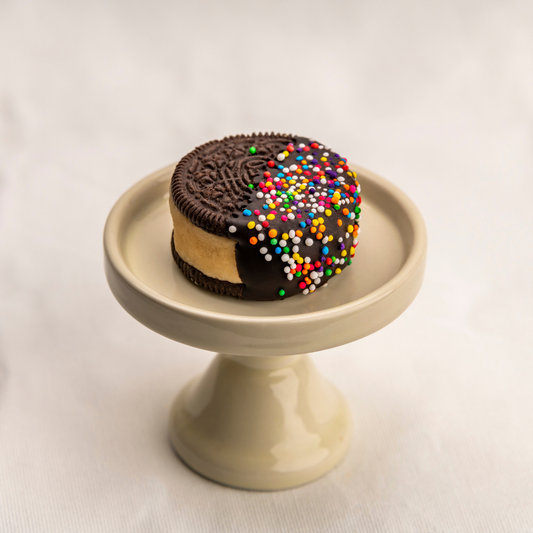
(314,161)
(308,221)
(323,259)
(337,155)
(312,190)
(341,247)
(321,269)
(278,187)
(299,211)
(298,149)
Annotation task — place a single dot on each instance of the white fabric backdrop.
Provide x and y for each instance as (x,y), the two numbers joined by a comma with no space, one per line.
(435,96)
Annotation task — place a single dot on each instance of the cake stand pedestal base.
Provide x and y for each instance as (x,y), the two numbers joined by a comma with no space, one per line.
(263,423)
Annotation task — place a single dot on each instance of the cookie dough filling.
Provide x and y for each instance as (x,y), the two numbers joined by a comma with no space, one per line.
(264,217)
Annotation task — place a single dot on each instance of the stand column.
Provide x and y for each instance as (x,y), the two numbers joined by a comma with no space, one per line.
(262,423)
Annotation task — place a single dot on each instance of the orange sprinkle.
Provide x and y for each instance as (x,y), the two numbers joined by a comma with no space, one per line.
(312,229)
(322,228)
(345,212)
(253,240)
(272,233)
(299,233)
(339,222)
(319,236)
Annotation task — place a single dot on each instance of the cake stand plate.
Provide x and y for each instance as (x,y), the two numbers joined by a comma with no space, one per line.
(261,417)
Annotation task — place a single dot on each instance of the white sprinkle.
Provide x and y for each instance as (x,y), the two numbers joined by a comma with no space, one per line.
(298,197)
(340,178)
(292,261)
(232,229)
(290,276)
(261,218)
(323,181)
(259,195)
(355,241)
(305,291)
(287,269)
(268,257)
(342,261)
(336,261)
(258,227)
(292,168)
(320,146)
(309,242)
(282,209)
(300,204)
(347,235)
(316,169)
(352,215)
(285,257)
(313,275)
(295,249)
(340,171)
(280,157)
(320,209)
(296,240)
(283,243)
(286,170)
(263,250)
(312,287)
(325,240)
(292,233)
(318,280)
(325,154)
(301,145)
(313,211)
(340,239)
(327,168)
(307,259)
(261,236)
(290,216)
(320,274)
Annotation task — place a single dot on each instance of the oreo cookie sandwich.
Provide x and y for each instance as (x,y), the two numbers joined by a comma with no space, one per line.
(264,216)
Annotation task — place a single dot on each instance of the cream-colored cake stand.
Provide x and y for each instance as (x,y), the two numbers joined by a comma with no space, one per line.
(261,416)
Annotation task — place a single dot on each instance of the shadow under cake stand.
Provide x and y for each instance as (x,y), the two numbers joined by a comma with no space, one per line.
(261,416)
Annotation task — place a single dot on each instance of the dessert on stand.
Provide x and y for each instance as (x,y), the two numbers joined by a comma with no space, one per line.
(261,416)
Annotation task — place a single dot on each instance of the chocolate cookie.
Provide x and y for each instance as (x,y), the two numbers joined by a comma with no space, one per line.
(263,217)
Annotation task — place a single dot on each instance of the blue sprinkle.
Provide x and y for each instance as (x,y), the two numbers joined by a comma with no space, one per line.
(343,195)
(299,158)
(265,206)
(281,175)
(325,250)
(305,167)
(337,183)
(311,215)
(278,250)
(280,167)
(302,224)
(247,213)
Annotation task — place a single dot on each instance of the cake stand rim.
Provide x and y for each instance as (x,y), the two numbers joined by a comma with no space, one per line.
(411,265)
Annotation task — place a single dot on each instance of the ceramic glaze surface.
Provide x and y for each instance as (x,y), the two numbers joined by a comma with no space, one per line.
(264,423)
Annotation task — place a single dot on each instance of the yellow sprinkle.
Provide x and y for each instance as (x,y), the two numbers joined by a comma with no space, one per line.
(272,206)
(299,171)
(300,260)
(338,271)
(330,238)
(315,222)
(304,162)
(349,173)
(271,216)
(285,236)
(328,212)
(285,153)
(323,159)
(251,225)
(352,250)
(321,220)
(343,253)
(350,228)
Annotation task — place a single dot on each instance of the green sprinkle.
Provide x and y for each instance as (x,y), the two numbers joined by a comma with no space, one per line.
(328,272)
(336,207)
(253,150)
(251,185)
(298,274)
(357,209)
(274,242)
(281,292)
(286,249)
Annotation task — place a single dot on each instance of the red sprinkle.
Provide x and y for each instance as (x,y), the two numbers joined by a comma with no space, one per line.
(271,164)
(302,285)
(314,145)
(257,212)
(306,148)
(265,224)
(266,175)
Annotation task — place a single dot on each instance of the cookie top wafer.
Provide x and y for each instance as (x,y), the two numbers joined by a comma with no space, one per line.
(291,204)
